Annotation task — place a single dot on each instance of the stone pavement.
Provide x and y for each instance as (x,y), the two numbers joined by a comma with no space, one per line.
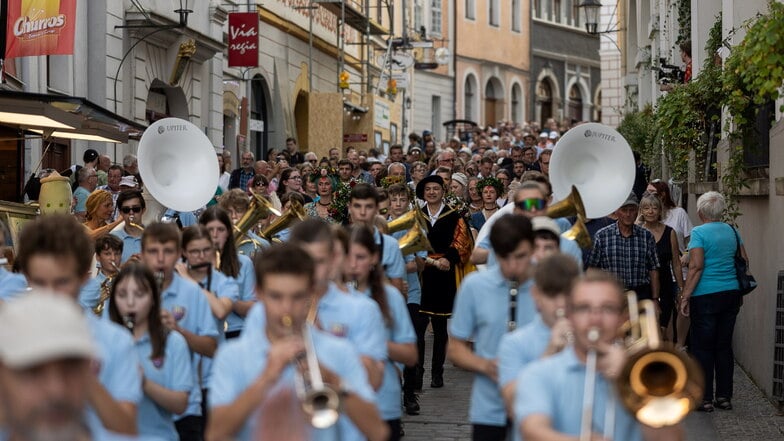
(444,415)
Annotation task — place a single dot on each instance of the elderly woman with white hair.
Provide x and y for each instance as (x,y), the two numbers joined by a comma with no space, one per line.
(712,299)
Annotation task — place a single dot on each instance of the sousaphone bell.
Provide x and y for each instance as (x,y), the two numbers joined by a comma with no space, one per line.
(178,165)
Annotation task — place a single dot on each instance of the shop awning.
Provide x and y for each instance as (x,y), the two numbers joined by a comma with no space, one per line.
(63,116)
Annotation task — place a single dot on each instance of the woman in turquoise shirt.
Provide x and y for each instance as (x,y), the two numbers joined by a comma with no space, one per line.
(362,267)
(165,358)
(712,300)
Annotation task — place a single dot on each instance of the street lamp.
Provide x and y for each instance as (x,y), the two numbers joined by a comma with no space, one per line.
(183,11)
(591,8)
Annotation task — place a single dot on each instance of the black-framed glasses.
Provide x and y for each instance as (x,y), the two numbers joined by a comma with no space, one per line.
(531,204)
(135,209)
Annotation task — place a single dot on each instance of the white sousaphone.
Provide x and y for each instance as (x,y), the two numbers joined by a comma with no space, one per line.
(178,165)
(597,161)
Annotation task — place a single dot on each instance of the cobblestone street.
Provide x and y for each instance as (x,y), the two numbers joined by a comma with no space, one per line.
(444,415)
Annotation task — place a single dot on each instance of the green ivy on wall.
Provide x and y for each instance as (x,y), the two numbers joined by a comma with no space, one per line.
(753,75)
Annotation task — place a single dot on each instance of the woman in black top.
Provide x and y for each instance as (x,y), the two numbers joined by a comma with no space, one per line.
(670,275)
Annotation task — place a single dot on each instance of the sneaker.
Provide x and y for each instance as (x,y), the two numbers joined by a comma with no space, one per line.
(437,381)
(411,403)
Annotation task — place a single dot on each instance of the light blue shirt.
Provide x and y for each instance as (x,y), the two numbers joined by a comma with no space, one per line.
(131,244)
(223,287)
(520,347)
(554,386)
(356,318)
(399,330)
(187,218)
(481,312)
(11,284)
(246,284)
(118,365)
(173,372)
(567,246)
(91,293)
(414,293)
(188,306)
(392,258)
(717,241)
(240,362)
(347,315)
(81,194)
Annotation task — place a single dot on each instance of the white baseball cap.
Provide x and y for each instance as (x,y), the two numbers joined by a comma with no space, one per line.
(544,223)
(553,135)
(39,327)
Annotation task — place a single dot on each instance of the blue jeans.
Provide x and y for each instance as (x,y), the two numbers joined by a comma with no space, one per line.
(712,323)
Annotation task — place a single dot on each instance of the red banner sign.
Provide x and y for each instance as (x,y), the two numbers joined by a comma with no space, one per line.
(40,27)
(243,39)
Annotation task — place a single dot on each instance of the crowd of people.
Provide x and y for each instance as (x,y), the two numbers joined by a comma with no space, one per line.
(194,328)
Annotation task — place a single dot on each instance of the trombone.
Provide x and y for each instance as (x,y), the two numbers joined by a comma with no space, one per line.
(658,384)
(320,402)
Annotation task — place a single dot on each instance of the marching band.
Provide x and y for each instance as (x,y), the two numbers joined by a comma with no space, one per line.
(223,331)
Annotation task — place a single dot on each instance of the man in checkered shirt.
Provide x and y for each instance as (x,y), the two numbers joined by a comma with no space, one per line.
(628,251)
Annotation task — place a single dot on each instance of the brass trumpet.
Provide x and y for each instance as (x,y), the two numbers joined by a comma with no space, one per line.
(319,401)
(658,384)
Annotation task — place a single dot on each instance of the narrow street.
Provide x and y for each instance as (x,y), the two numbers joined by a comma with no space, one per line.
(444,415)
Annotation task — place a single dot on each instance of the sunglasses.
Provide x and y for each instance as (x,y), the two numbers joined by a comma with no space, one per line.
(259,184)
(531,204)
(135,209)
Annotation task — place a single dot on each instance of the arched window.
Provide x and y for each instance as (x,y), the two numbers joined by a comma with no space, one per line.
(517,104)
(469,94)
(544,94)
(575,103)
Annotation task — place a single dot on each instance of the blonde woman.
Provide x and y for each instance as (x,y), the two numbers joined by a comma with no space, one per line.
(100,207)
(670,275)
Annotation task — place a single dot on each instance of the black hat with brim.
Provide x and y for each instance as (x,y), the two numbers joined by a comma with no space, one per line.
(420,188)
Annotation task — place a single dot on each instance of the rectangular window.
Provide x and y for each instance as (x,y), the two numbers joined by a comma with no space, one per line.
(419,15)
(493,12)
(435,113)
(557,11)
(435,18)
(516,15)
(470,9)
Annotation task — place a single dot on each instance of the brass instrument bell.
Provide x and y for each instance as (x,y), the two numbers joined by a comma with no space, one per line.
(572,205)
(259,209)
(295,212)
(658,384)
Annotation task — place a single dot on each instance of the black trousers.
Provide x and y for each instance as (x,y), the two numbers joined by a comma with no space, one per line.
(484,432)
(712,324)
(190,428)
(394,429)
(440,338)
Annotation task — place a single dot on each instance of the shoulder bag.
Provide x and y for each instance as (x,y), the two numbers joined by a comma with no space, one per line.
(746,282)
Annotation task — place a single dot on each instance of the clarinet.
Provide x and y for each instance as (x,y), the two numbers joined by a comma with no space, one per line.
(511,324)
